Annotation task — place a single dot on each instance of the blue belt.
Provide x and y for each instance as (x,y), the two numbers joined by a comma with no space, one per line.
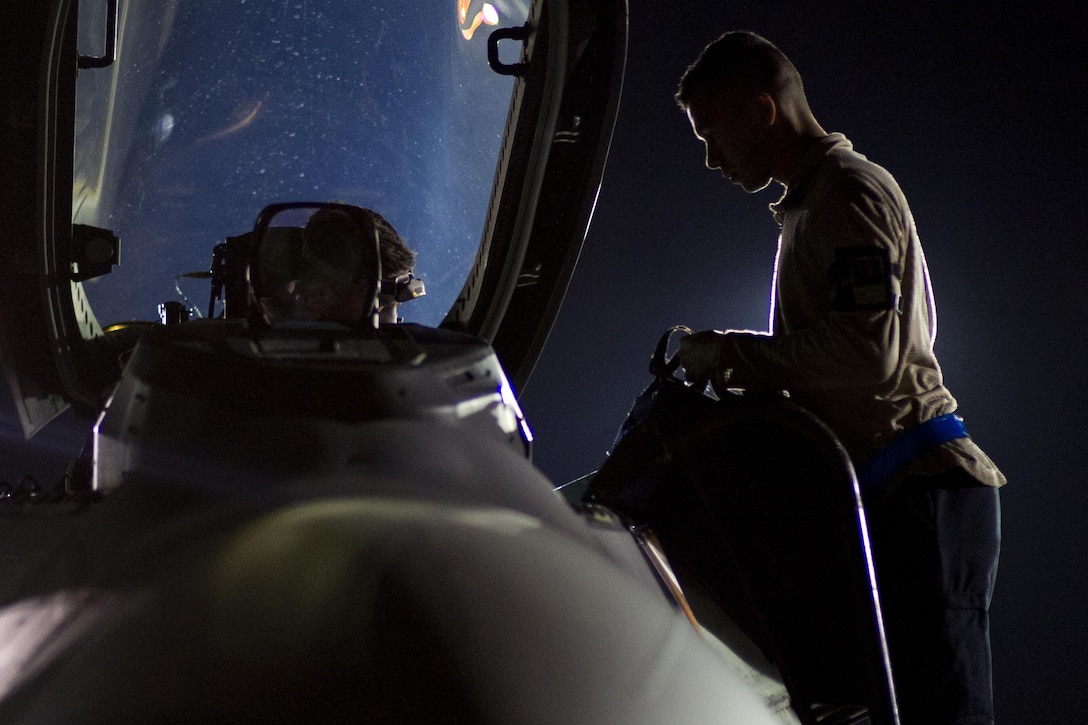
(908,445)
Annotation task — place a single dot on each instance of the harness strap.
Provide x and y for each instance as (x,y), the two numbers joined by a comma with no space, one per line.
(908,445)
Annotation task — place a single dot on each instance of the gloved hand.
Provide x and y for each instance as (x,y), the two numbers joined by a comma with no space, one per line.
(699,354)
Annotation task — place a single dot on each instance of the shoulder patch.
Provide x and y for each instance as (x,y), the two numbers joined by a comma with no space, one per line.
(863,278)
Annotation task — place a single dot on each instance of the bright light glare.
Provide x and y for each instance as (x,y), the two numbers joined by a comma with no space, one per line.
(487,15)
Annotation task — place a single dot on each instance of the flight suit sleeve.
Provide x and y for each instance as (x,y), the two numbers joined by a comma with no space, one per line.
(840,292)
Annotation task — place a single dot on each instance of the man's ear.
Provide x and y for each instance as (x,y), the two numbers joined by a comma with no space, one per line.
(764,110)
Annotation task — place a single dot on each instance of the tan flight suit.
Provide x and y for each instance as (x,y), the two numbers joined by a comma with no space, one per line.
(851,342)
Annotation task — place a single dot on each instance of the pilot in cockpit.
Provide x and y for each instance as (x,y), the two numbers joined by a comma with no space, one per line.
(328,284)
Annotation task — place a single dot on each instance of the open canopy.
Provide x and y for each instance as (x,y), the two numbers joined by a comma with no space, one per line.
(148,132)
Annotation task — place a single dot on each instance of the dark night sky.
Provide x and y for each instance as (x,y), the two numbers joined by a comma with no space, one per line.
(977,113)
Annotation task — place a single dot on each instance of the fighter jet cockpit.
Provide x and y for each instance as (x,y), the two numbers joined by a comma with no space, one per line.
(208,114)
(477,130)
(201,116)
(198,136)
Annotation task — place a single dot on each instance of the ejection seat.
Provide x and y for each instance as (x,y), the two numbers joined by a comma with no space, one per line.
(757,508)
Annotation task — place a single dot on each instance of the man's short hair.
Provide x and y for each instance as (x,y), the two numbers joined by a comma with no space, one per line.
(331,227)
(738,60)
(397,258)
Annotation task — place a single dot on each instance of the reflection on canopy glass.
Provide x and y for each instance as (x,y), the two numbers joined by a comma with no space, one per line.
(214,110)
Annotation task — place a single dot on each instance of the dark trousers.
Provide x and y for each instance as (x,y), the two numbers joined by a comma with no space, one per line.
(935,548)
